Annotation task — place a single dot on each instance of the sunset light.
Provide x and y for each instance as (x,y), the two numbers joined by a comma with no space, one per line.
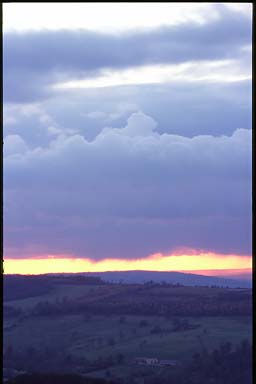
(157,262)
(127,199)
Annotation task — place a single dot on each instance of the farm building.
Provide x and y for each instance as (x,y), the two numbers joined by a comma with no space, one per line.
(168,362)
(154,361)
(146,360)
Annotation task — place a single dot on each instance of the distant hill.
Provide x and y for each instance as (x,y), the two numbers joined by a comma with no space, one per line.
(16,287)
(140,277)
(234,274)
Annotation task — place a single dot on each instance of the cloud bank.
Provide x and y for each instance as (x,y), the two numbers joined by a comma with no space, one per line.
(129,193)
(128,144)
(38,59)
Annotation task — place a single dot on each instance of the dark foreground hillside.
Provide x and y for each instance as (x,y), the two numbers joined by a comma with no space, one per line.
(55,379)
(223,366)
(97,330)
(76,294)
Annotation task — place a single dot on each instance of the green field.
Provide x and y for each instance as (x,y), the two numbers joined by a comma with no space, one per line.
(90,338)
(100,336)
(60,291)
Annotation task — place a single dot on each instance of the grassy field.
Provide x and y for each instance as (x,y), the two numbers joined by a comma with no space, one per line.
(93,337)
(60,291)
(99,336)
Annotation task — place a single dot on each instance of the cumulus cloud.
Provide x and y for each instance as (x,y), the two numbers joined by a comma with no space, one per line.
(118,111)
(138,125)
(130,192)
(14,144)
(184,109)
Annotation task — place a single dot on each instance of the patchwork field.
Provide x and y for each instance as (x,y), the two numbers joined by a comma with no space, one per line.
(50,332)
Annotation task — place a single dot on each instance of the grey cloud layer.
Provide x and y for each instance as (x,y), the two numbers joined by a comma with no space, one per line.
(34,60)
(129,192)
(177,174)
(183,109)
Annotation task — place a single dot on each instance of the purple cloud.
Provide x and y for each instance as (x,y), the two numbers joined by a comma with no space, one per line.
(129,192)
(35,60)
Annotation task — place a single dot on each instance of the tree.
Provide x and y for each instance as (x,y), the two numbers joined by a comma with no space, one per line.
(120,358)
(143,323)
(111,341)
(122,319)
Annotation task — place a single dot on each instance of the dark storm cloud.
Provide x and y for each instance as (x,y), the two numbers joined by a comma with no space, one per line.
(34,60)
(129,192)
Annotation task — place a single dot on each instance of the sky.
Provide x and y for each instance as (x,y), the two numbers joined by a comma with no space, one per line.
(127,136)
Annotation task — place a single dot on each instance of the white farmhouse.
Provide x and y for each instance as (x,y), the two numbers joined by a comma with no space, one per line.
(146,360)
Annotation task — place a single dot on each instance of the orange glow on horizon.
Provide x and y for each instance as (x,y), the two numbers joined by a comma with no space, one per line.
(157,262)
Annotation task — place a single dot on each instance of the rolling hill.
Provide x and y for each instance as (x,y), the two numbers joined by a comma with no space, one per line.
(140,277)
